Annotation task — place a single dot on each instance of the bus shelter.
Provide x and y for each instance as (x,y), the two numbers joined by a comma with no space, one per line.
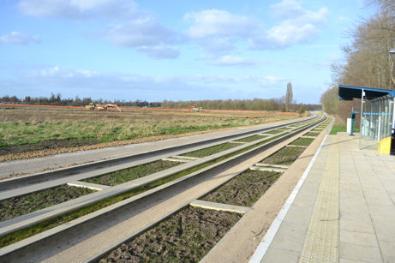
(377,125)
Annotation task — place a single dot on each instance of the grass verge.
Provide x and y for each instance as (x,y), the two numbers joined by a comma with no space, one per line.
(132,173)
(338,128)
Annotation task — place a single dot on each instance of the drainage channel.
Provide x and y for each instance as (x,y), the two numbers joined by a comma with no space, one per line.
(64,217)
(189,234)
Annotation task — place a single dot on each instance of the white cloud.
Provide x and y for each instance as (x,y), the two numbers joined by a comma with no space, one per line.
(160,52)
(18,38)
(288,33)
(229,60)
(77,8)
(88,83)
(288,8)
(130,27)
(145,35)
(217,31)
(214,22)
(300,25)
(62,73)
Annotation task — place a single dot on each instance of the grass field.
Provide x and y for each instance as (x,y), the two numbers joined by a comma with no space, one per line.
(40,129)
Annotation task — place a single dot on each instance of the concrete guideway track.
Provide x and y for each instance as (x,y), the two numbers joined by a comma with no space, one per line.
(25,185)
(86,240)
(134,155)
(192,179)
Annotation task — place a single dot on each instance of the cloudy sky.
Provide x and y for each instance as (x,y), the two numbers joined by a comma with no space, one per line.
(175,49)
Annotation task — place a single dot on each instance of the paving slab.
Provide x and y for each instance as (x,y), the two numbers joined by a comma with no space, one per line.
(345,211)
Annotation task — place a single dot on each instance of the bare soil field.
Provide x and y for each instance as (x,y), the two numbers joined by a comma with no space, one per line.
(28,131)
(184,237)
(245,189)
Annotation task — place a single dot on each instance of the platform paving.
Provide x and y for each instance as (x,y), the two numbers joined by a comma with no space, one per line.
(345,210)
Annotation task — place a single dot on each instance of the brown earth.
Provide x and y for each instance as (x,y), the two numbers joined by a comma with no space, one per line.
(184,237)
(130,116)
(245,189)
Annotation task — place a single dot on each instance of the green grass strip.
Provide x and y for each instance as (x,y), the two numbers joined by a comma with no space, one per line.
(125,175)
(312,134)
(25,204)
(210,150)
(276,131)
(251,138)
(341,128)
(302,141)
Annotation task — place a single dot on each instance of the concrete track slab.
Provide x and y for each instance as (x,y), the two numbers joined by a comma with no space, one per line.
(220,207)
(82,246)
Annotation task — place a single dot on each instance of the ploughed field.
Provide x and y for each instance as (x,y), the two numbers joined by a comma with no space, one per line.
(33,131)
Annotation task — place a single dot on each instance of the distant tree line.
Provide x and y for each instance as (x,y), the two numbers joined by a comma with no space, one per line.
(250,104)
(58,100)
(367,59)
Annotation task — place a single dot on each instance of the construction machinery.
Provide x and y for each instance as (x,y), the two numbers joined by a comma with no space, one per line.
(102,107)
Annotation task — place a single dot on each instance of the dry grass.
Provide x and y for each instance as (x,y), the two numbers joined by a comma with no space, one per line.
(36,128)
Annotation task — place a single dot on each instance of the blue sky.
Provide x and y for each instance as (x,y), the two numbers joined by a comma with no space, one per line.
(175,49)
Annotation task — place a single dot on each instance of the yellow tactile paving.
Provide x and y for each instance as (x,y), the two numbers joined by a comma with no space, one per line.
(322,240)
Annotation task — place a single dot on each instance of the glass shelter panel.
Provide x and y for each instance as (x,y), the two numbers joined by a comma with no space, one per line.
(376,120)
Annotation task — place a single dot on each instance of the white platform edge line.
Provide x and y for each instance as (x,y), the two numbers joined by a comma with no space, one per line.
(272,231)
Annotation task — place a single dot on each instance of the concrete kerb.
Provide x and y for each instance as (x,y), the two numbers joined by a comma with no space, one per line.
(220,206)
(95,187)
(266,169)
(58,229)
(8,183)
(269,165)
(171,159)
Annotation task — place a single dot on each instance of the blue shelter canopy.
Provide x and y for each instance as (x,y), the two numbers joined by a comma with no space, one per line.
(347,92)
